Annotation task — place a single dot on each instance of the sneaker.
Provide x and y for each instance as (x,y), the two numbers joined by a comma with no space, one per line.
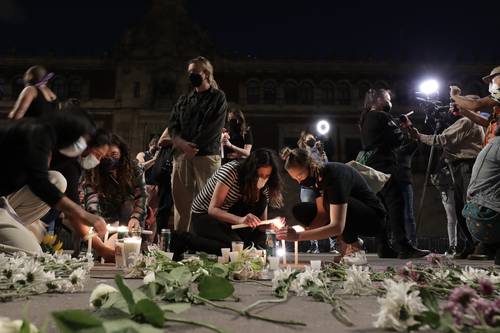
(313,251)
(355,258)
(451,252)
(334,251)
(483,252)
(466,252)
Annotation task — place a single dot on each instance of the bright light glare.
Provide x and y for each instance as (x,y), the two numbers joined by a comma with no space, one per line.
(298,228)
(323,127)
(429,87)
(280,252)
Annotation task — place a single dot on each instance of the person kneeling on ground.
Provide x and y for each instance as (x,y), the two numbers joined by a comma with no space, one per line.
(238,193)
(482,210)
(346,207)
(27,188)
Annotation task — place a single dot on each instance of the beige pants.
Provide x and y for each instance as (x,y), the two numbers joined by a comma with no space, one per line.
(188,178)
(20,214)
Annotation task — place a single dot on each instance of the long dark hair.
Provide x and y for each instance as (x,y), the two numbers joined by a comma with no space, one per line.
(241,120)
(371,97)
(301,158)
(261,157)
(125,176)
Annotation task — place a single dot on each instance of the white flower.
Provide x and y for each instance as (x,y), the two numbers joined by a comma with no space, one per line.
(358,281)
(149,278)
(470,274)
(14,326)
(399,306)
(64,286)
(442,274)
(281,275)
(100,294)
(77,277)
(494,278)
(310,277)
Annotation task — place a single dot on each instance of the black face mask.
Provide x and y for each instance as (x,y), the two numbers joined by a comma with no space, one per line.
(309,182)
(233,124)
(387,108)
(196,79)
(109,164)
(311,143)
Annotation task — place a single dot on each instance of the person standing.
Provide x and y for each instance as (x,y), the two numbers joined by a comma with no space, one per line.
(237,137)
(195,127)
(380,137)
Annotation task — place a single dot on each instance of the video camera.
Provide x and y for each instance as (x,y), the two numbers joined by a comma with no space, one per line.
(437,113)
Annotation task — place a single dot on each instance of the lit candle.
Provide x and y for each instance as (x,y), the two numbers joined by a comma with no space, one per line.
(131,248)
(284,251)
(89,246)
(106,236)
(122,231)
(296,252)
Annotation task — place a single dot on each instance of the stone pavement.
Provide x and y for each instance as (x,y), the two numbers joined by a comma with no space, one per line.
(316,315)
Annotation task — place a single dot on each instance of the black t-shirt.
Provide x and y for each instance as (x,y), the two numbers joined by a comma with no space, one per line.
(239,140)
(380,134)
(341,182)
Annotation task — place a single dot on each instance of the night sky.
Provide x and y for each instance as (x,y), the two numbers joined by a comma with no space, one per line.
(315,29)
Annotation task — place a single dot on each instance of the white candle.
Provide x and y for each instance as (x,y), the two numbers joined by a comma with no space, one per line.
(89,245)
(119,259)
(234,255)
(273,263)
(237,246)
(221,260)
(296,252)
(170,255)
(316,264)
(106,236)
(284,251)
(131,248)
(225,253)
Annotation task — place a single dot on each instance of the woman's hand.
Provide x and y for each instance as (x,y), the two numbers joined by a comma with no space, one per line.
(455,91)
(287,233)
(250,220)
(134,224)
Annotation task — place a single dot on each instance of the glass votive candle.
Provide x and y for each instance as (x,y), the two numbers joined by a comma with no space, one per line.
(234,255)
(119,258)
(273,263)
(225,253)
(131,249)
(237,246)
(316,264)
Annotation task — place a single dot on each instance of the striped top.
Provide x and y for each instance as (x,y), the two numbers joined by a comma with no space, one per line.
(228,175)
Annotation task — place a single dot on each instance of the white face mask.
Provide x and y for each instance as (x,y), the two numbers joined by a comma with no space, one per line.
(89,162)
(75,149)
(493,87)
(261,183)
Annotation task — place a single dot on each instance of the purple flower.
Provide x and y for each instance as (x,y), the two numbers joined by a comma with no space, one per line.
(492,314)
(462,295)
(433,259)
(486,287)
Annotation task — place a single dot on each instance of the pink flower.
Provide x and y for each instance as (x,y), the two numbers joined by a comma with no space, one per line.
(486,287)
(462,295)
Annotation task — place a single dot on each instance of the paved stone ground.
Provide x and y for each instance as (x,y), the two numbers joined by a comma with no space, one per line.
(316,315)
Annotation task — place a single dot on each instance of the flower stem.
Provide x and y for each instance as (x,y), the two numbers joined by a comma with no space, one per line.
(265,301)
(248,314)
(196,323)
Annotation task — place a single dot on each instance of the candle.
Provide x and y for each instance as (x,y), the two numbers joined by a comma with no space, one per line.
(234,255)
(89,245)
(225,253)
(170,255)
(119,259)
(237,246)
(316,264)
(106,236)
(273,263)
(131,248)
(296,252)
(284,251)
(221,260)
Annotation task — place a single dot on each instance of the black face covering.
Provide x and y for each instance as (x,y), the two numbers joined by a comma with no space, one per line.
(387,107)
(311,142)
(109,164)
(233,125)
(310,181)
(196,79)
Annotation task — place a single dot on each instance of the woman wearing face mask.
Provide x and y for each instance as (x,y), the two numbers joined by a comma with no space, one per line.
(29,187)
(238,193)
(116,189)
(36,98)
(380,137)
(309,142)
(146,161)
(237,137)
(344,206)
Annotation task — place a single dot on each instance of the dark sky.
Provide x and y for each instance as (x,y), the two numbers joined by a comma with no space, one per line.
(406,30)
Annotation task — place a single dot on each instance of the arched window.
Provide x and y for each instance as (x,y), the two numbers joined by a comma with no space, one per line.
(59,87)
(17,87)
(344,93)
(363,87)
(75,88)
(291,92)
(253,92)
(269,92)
(327,93)
(306,93)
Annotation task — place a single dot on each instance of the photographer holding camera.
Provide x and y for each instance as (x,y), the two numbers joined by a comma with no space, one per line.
(461,143)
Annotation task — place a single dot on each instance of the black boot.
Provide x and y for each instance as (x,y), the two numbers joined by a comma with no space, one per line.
(483,251)
(179,245)
(384,250)
(467,250)
(408,251)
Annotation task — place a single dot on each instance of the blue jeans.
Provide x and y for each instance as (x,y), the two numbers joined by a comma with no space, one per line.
(409,216)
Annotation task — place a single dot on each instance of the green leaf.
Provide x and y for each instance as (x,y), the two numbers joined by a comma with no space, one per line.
(139,295)
(126,292)
(220,270)
(150,289)
(116,300)
(215,288)
(25,327)
(429,300)
(175,307)
(180,275)
(77,321)
(111,314)
(129,326)
(150,312)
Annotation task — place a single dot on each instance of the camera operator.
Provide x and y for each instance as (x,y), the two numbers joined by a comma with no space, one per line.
(469,106)
(380,137)
(461,143)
